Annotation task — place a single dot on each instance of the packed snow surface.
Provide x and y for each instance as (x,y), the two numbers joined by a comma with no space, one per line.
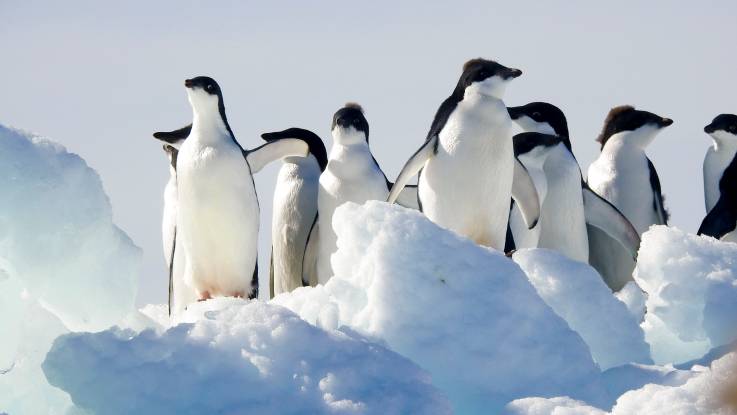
(237,358)
(691,286)
(465,313)
(578,294)
(705,393)
(63,264)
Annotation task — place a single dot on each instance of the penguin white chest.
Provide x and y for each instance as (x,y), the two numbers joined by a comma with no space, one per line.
(466,186)
(350,176)
(715,163)
(562,218)
(623,178)
(218,216)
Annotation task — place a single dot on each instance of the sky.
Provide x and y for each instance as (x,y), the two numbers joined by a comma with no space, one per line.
(101,78)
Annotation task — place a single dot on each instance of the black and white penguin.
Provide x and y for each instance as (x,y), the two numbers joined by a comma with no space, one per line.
(720,180)
(294,212)
(217,206)
(351,175)
(625,176)
(567,204)
(180,293)
(467,167)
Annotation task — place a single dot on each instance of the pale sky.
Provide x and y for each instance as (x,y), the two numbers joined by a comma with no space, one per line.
(100,78)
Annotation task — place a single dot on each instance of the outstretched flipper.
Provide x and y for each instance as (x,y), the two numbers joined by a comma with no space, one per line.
(524,195)
(601,214)
(408,197)
(413,166)
(259,157)
(309,260)
(720,221)
(176,137)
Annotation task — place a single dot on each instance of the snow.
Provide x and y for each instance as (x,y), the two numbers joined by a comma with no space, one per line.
(239,356)
(703,393)
(691,282)
(577,293)
(465,313)
(634,298)
(63,264)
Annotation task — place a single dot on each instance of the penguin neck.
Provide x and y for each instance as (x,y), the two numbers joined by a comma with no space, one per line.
(303,163)
(724,143)
(210,125)
(629,142)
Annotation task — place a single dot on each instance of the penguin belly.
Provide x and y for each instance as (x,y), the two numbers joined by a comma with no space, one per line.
(626,185)
(562,217)
(218,218)
(466,187)
(351,176)
(182,292)
(295,207)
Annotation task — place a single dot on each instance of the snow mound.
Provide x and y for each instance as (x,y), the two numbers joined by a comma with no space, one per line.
(576,292)
(64,265)
(238,357)
(706,391)
(465,313)
(691,282)
(634,298)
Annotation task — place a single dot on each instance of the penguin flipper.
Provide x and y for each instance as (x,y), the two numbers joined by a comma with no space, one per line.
(309,261)
(259,157)
(171,269)
(603,215)
(525,195)
(408,197)
(174,137)
(413,166)
(271,275)
(658,204)
(720,221)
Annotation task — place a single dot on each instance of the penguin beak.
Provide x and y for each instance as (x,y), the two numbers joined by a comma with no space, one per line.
(512,73)
(710,128)
(665,122)
(514,112)
(188,83)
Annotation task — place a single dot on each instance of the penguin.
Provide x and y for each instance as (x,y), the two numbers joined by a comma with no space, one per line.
(180,293)
(567,204)
(625,176)
(467,169)
(217,206)
(720,180)
(352,174)
(294,212)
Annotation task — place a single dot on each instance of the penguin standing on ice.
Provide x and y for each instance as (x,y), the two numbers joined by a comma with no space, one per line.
(720,180)
(467,167)
(625,176)
(351,175)
(567,204)
(217,205)
(180,293)
(294,212)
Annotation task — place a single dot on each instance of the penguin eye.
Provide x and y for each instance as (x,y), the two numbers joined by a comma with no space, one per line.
(209,87)
(535,114)
(356,122)
(732,129)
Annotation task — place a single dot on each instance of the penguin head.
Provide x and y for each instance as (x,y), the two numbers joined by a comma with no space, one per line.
(314,143)
(203,93)
(350,125)
(485,77)
(723,128)
(540,117)
(535,144)
(632,126)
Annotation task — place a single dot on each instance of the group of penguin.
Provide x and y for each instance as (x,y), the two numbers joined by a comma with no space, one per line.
(474,178)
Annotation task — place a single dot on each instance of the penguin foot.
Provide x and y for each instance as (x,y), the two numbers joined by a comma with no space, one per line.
(204,296)
(510,253)
(239,294)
